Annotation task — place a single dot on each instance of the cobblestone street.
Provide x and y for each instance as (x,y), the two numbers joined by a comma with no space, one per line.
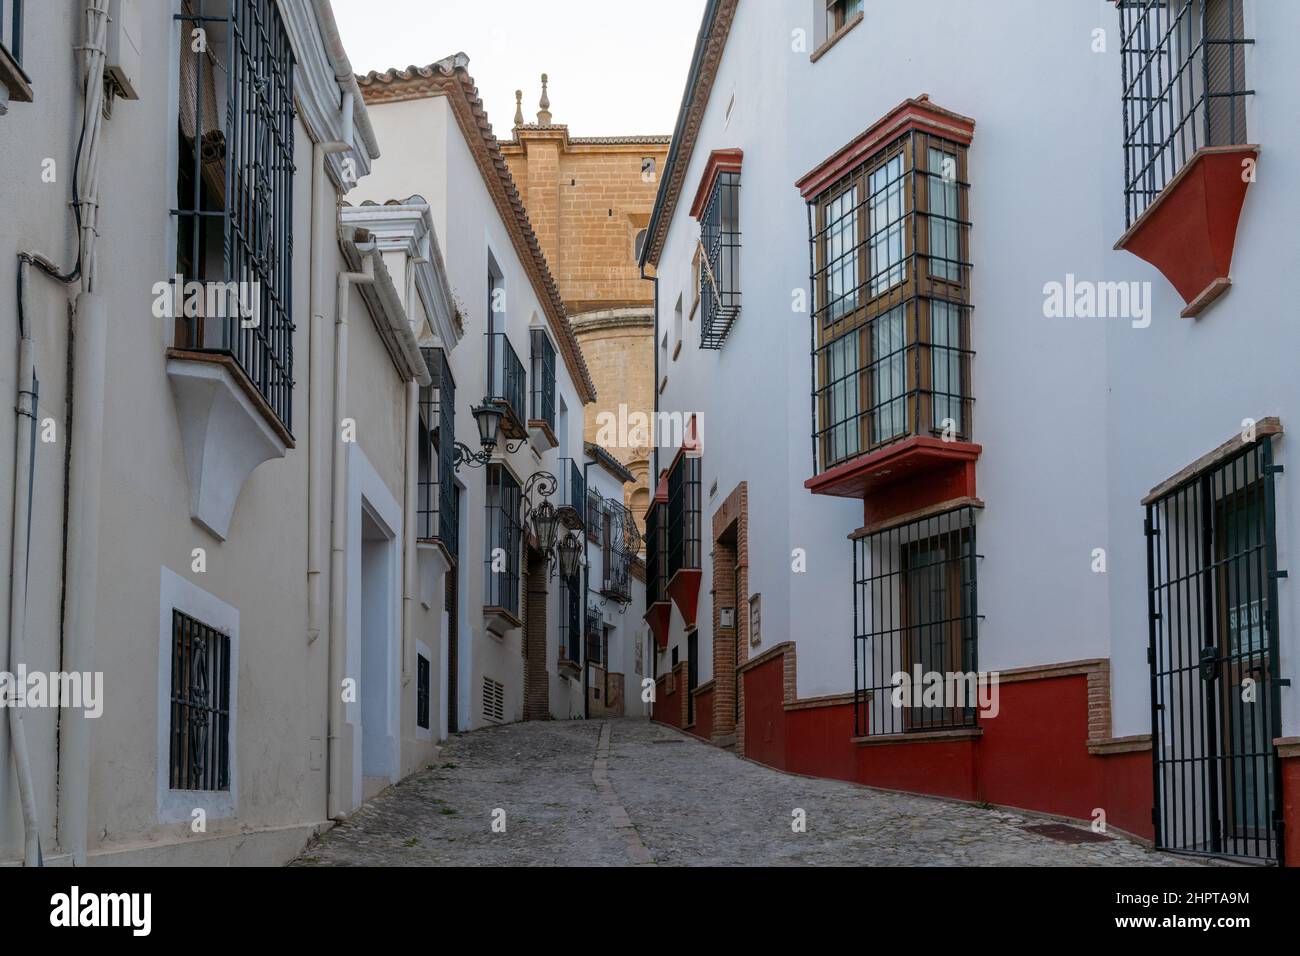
(626,792)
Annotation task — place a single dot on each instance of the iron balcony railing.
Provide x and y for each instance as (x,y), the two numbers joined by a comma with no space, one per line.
(507,384)
(542,406)
(571,493)
(436,517)
(1216,672)
(235,191)
(915,615)
(504,539)
(720,261)
(621,541)
(656,555)
(891,352)
(683,515)
(1183,69)
(570,622)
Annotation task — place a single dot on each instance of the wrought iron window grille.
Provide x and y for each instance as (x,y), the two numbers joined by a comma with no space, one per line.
(543,378)
(422,692)
(234,210)
(11,16)
(683,515)
(720,261)
(914,607)
(1183,68)
(507,384)
(505,540)
(200,706)
(436,517)
(570,622)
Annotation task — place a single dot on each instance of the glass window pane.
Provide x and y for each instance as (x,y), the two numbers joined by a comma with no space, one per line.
(945,363)
(885,214)
(842,254)
(889,374)
(945,250)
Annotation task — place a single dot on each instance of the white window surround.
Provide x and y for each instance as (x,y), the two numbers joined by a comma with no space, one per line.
(178,593)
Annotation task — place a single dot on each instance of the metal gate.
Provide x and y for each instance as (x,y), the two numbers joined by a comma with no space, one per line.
(1215,686)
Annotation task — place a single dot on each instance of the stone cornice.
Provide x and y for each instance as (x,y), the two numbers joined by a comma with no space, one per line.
(404,227)
(603,320)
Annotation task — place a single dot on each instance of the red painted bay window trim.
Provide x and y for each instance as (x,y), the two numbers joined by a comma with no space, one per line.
(720,161)
(917,114)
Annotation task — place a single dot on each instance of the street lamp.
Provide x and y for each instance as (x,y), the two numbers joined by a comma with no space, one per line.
(488,418)
(545,525)
(570,550)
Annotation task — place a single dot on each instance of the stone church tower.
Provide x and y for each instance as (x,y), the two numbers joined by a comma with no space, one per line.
(589,200)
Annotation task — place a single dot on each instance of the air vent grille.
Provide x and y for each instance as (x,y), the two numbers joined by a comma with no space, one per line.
(494,700)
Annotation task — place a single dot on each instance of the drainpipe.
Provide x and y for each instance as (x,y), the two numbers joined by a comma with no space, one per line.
(316,411)
(89,375)
(316,363)
(408,529)
(336,809)
(586,589)
(20,540)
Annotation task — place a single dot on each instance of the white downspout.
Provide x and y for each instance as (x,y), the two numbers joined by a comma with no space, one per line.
(409,572)
(24,435)
(338,533)
(85,478)
(315,414)
(316,363)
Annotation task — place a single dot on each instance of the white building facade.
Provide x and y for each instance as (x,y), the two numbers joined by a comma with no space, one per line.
(238,507)
(519,635)
(981,330)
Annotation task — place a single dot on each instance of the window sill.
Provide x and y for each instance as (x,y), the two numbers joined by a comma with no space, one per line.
(663,385)
(677,350)
(922,737)
(1188,231)
(500,621)
(227,430)
(540,432)
(16,83)
(835,38)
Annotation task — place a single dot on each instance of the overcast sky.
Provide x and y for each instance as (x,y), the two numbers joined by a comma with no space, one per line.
(616,67)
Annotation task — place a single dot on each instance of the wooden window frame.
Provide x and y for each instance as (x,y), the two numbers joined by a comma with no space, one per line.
(914,293)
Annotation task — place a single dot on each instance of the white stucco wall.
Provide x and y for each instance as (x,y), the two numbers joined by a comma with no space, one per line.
(426,154)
